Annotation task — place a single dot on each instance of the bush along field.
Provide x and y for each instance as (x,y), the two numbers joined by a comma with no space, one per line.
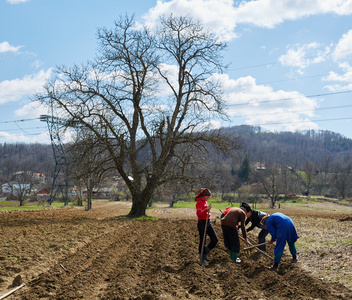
(70,253)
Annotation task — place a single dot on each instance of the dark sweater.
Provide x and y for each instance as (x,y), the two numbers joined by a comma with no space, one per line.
(255,219)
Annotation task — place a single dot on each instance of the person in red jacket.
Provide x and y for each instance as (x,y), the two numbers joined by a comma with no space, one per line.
(203,212)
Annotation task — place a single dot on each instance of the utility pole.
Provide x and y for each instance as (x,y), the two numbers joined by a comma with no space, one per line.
(55,126)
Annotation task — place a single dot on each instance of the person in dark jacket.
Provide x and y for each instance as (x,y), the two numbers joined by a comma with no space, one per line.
(203,212)
(255,216)
(229,221)
(282,230)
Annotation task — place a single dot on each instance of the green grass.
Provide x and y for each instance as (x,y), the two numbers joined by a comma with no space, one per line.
(27,207)
(214,204)
(138,218)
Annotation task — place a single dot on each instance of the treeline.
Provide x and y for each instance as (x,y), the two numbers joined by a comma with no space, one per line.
(290,148)
(36,158)
(317,161)
(293,148)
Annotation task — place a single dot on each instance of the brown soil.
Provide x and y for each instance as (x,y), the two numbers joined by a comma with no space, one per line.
(69,253)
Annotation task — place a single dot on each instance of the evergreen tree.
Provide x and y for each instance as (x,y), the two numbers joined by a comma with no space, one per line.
(245,170)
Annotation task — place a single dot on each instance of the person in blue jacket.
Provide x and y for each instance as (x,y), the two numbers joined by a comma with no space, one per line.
(282,230)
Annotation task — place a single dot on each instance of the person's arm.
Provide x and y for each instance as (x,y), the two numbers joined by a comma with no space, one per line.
(272,230)
(243,228)
(250,227)
(202,210)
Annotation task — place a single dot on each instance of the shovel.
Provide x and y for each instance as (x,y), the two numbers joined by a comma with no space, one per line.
(202,262)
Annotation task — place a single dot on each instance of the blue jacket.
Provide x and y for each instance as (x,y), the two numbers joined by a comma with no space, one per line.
(281,227)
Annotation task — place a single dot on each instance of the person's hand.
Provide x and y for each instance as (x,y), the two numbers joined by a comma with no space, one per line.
(209,207)
(270,242)
(246,241)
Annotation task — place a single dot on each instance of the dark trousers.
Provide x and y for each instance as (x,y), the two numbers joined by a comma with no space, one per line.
(262,234)
(231,239)
(209,231)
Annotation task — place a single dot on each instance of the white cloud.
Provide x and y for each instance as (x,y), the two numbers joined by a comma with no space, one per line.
(261,105)
(269,13)
(215,14)
(343,80)
(13,90)
(6,47)
(32,110)
(17,1)
(42,138)
(222,16)
(302,56)
(344,47)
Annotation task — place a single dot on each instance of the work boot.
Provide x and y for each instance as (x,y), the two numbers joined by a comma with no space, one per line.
(234,257)
(272,268)
(201,260)
(275,267)
(205,254)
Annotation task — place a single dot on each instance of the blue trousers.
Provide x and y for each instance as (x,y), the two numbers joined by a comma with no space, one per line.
(280,247)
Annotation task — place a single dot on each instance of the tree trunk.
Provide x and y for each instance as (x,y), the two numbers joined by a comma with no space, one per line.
(89,199)
(139,206)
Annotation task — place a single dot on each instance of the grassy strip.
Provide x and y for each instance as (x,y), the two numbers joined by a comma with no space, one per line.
(214,204)
(29,207)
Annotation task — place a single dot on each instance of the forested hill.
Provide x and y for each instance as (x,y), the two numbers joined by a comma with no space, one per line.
(291,148)
(37,158)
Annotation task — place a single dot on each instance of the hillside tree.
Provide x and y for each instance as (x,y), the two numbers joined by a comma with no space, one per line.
(271,182)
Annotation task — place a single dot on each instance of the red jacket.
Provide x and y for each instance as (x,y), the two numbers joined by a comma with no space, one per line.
(226,211)
(202,209)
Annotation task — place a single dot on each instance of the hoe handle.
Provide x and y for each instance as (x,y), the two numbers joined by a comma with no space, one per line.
(255,246)
(205,233)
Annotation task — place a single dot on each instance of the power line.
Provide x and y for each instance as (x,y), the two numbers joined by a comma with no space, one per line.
(303,110)
(296,78)
(276,62)
(304,121)
(293,98)
(15,121)
(16,129)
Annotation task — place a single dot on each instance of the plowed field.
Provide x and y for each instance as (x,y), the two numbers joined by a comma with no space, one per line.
(69,253)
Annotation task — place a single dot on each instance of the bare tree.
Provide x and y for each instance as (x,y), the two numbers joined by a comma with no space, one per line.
(90,164)
(21,185)
(341,178)
(270,181)
(147,99)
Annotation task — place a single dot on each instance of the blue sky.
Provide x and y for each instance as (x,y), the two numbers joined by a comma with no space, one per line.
(291,60)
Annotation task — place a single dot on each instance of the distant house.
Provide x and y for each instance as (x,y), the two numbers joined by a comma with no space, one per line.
(43,193)
(15,188)
(6,188)
(20,188)
(40,177)
(260,166)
